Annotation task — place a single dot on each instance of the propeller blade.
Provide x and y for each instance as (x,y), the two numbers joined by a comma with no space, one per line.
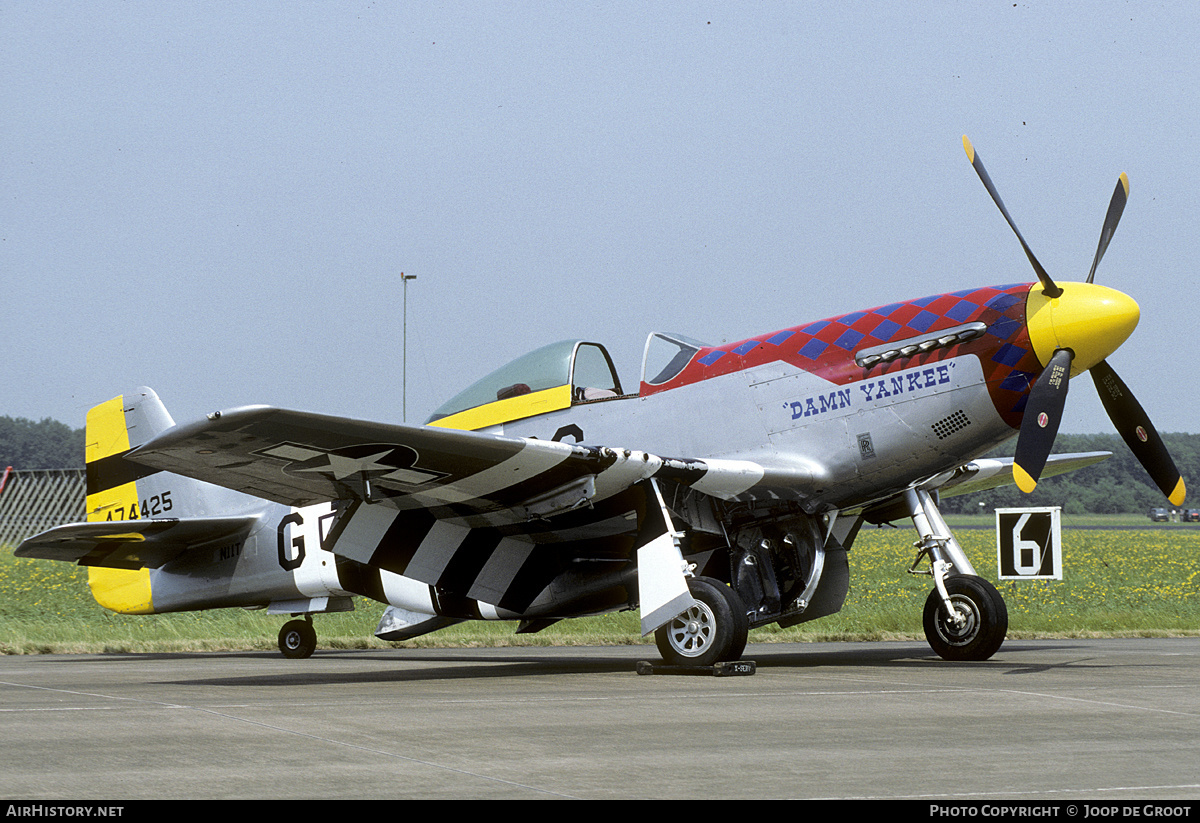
(1115,207)
(1138,432)
(1043,414)
(1048,286)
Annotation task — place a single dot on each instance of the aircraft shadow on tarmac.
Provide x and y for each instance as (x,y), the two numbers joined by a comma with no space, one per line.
(430,665)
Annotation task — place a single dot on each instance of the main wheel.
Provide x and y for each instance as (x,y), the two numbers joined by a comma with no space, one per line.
(297,639)
(984,621)
(713,630)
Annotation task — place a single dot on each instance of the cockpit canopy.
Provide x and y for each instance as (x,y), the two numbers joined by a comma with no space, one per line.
(552,377)
(556,377)
(665,356)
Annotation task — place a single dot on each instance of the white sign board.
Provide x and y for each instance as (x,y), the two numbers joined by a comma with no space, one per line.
(1029,543)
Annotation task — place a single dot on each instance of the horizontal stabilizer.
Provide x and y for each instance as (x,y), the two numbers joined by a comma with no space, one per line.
(136,544)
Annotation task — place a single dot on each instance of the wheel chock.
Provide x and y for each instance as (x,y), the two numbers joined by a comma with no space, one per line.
(733,668)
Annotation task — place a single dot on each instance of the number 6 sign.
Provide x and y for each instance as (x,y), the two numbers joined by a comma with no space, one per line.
(1028,543)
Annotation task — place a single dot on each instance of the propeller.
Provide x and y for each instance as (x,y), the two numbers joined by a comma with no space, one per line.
(1048,286)
(1135,428)
(1043,413)
(1115,207)
(1073,328)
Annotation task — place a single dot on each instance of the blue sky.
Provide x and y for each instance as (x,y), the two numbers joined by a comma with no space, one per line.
(217,199)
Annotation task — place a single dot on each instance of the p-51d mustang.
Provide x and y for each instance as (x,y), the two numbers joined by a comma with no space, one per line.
(721,496)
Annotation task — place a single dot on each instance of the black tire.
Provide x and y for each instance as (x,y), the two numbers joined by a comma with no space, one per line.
(712,631)
(986,623)
(297,639)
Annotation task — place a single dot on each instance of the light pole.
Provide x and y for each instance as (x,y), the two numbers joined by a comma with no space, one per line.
(404,278)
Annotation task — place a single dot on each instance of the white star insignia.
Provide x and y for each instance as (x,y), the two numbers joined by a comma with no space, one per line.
(343,467)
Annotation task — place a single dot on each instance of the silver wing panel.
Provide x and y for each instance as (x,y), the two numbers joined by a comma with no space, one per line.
(990,473)
(299,458)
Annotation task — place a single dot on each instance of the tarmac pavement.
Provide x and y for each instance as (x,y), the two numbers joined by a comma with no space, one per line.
(1043,722)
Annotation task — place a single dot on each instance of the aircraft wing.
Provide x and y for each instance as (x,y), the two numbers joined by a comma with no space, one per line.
(492,514)
(986,473)
(300,458)
(480,480)
(135,544)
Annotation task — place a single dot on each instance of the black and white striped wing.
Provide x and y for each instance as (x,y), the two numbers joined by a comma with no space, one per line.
(300,458)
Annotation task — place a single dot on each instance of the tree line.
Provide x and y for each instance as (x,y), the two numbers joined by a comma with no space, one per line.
(1117,485)
(46,444)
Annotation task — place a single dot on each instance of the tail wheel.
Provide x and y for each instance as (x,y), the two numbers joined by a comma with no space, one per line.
(297,639)
(715,629)
(982,623)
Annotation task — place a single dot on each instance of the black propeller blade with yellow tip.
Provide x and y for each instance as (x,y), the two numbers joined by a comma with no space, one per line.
(1115,207)
(1073,327)
(1048,286)
(1039,426)
(1135,428)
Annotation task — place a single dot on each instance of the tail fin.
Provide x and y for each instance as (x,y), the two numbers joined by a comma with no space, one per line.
(113,428)
(118,489)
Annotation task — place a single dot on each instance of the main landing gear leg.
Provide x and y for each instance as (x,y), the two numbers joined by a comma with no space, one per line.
(965,617)
(712,627)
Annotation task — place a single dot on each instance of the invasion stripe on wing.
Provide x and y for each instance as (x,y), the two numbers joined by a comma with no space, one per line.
(481,562)
(435,551)
(524,465)
(718,477)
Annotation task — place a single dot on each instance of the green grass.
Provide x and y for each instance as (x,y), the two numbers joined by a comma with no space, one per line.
(1117,582)
(1075,520)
